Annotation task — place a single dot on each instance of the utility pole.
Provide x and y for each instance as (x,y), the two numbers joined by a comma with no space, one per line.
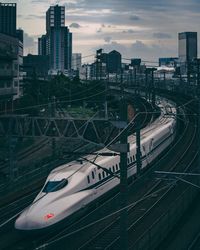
(106,103)
(153,87)
(53,139)
(123,175)
(188,72)
(138,142)
(13,170)
(99,64)
(135,80)
(146,84)
(123,149)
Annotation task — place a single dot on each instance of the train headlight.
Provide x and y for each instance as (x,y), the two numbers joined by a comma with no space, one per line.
(48,216)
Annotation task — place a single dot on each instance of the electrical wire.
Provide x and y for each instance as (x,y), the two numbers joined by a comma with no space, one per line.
(107,216)
(105,147)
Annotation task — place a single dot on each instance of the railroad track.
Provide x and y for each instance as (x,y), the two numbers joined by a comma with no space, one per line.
(27,152)
(108,236)
(105,235)
(18,241)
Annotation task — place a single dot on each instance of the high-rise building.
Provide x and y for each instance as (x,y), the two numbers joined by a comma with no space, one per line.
(8,18)
(11,39)
(55,17)
(42,44)
(59,49)
(187,49)
(57,43)
(76,61)
(114,62)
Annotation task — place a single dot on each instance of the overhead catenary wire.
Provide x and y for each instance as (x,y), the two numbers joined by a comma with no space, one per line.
(131,122)
(107,216)
(7,221)
(13,217)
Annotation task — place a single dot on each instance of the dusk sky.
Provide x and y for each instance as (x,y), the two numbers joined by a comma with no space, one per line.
(136,28)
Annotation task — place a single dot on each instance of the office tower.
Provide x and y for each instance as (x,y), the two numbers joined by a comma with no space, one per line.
(59,46)
(55,17)
(76,61)
(58,40)
(187,49)
(42,44)
(8,18)
(114,62)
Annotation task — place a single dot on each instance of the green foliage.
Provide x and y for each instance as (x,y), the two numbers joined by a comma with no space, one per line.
(37,93)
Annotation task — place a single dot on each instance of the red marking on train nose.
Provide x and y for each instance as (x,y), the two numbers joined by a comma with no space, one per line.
(49,216)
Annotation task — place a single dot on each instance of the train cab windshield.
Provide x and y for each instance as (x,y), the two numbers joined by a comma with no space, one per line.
(53,186)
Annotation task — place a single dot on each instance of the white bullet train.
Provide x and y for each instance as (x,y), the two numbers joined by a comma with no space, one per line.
(71,187)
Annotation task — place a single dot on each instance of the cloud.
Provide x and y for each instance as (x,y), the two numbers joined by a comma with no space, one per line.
(154,24)
(139,49)
(99,30)
(142,50)
(108,39)
(75,25)
(134,18)
(129,31)
(161,35)
(114,46)
(29,44)
(28,40)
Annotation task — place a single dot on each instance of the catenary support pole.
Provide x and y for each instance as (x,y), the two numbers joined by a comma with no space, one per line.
(138,146)
(53,139)
(123,175)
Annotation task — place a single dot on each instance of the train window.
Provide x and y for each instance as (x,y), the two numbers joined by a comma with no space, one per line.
(103,174)
(99,176)
(117,167)
(92,174)
(53,186)
(88,179)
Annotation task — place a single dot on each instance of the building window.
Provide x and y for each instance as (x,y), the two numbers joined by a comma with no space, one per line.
(88,179)
(92,174)
(103,174)
(99,176)
(113,168)
(117,167)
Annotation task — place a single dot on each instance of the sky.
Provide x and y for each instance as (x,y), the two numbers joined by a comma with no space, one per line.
(146,29)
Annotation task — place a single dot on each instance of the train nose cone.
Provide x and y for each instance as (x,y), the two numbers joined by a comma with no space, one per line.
(26,223)
(21,224)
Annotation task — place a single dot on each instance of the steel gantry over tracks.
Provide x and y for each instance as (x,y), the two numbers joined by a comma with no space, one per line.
(97,130)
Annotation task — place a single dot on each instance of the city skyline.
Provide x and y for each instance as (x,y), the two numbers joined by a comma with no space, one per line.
(146,29)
